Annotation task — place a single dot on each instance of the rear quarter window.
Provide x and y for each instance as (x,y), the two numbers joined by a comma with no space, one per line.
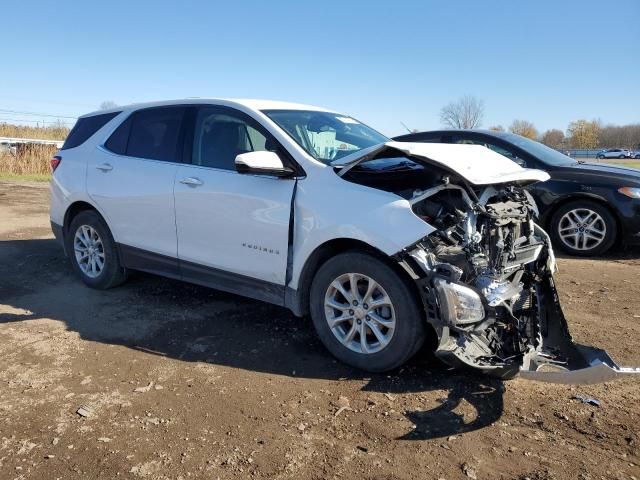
(85,128)
(117,142)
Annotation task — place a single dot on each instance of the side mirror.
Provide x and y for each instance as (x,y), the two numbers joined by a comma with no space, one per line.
(519,161)
(262,163)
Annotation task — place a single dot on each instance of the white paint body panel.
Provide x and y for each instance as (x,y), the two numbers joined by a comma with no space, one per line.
(328,207)
(136,199)
(234,222)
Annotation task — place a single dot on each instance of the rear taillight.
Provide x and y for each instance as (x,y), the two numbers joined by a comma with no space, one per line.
(55,161)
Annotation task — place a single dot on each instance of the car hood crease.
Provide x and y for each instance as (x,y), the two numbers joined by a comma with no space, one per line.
(476,164)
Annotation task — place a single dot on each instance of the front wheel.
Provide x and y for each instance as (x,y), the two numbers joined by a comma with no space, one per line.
(583,228)
(366,314)
(601,157)
(621,156)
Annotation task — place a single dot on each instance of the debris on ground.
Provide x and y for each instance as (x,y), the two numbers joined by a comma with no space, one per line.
(143,389)
(469,471)
(340,410)
(84,411)
(587,400)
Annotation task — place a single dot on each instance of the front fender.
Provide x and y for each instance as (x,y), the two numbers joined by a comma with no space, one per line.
(331,208)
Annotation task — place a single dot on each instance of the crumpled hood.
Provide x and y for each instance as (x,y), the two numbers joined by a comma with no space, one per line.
(475,163)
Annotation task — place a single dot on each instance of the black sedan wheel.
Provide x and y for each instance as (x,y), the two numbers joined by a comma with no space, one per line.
(583,228)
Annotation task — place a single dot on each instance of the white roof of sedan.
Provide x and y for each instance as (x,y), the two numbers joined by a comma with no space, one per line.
(253,104)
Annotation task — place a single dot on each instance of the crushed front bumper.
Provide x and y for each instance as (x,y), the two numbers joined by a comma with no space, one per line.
(598,367)
(557,359)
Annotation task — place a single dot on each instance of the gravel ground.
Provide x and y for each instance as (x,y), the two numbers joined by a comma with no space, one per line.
(161,379)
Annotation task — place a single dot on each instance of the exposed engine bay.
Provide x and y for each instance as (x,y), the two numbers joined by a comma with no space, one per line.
(485,275)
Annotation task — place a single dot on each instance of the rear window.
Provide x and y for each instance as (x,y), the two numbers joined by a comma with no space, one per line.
(85,128)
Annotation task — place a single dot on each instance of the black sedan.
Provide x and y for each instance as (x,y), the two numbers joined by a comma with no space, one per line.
(585,207)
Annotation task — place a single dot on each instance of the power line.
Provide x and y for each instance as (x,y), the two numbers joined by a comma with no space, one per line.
(35,100)
(2,110)
(31,120)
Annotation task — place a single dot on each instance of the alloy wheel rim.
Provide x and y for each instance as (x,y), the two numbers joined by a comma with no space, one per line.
(89,251)
(359,313)
(582,229)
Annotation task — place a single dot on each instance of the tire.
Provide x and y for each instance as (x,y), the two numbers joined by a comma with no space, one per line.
(561,225)
(111,273)
(601,157)
(637,156)
(405,315)
(621,156)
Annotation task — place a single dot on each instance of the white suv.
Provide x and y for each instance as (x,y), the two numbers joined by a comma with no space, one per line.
(614,153)
(382,243)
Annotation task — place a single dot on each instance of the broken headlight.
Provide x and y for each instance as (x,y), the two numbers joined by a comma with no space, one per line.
(459,304)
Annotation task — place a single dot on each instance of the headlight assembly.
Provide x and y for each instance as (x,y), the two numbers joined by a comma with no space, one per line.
(633,192)
(459,304)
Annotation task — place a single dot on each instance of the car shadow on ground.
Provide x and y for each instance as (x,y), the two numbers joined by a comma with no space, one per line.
(195,324)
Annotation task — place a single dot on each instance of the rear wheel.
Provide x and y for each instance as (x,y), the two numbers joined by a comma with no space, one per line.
(583,228)
(364,312)
(92,251)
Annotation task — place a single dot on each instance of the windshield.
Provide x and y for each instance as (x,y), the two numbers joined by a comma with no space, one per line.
(540,151)
(325,136)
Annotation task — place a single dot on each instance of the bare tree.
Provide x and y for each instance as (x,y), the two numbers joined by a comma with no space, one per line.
(467,112)
(107,104)
(524,128)
(620,136)
(553,138)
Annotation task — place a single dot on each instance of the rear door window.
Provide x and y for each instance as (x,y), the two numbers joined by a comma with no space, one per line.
(85,128)
(154,133)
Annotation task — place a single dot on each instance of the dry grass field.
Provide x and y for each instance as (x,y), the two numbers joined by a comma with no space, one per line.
(55,132)
(28,162)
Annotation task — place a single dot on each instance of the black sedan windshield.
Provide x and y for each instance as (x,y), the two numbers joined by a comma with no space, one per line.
(326,136)
(539,150)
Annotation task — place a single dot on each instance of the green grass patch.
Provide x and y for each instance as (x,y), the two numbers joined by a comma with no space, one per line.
(25,177)
(632,164)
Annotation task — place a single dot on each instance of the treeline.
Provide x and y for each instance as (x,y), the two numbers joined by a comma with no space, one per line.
(468,112)
(582,134)
(52,132)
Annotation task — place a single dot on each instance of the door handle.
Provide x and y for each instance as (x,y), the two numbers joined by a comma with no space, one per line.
(193,181)
(105,167)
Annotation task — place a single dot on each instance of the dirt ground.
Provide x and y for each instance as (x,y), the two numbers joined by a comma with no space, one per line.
(161,379)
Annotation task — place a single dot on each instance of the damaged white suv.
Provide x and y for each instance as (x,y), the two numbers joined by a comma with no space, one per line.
(382,243)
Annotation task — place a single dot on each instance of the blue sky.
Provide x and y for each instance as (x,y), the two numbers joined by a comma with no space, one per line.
(549,62)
